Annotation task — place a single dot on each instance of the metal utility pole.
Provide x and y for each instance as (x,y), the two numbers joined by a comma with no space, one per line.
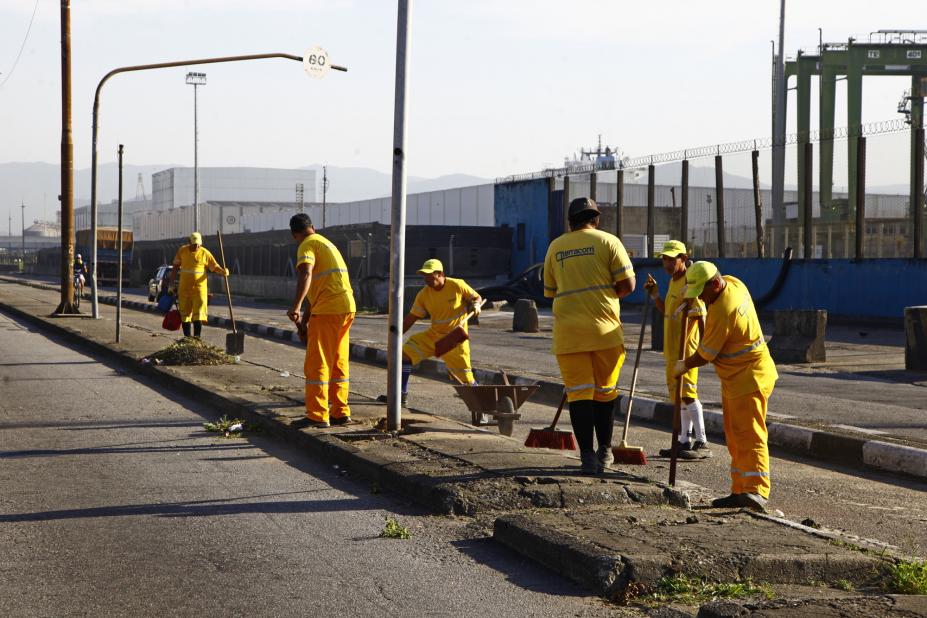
(398,226)
(324,192)
(94,301)
(23,206)
(195,80)
(66,304)
(779,117)
(119,257)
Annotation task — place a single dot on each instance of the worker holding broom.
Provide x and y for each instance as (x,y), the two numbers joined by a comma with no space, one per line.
(586,272)
(322,277)
(449,302)
(192,261)
(692,419)
(734,342)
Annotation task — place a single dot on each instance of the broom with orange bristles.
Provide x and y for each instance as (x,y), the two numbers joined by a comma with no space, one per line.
(624,453)
(551,437)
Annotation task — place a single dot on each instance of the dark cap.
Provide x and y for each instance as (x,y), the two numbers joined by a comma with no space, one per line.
(582,209)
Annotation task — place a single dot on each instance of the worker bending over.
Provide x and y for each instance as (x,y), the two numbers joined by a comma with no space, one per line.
(447,301)
(692,419)
(322,277)
(192,261)
(734,342)
(586,271)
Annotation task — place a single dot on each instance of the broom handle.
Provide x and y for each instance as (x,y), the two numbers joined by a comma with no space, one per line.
(559,411)
(637,362)
(228,292)
(677,408)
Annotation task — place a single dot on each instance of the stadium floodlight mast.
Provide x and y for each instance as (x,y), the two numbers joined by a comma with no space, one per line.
(315,62)
(196,79)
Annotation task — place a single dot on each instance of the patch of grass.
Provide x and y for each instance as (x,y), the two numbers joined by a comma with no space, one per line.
(394,530)
(844,584)
(908,577)
(695,591)
(191,351)
(229,427)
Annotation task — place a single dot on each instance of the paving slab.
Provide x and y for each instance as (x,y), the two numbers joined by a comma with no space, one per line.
(628,548)
(849,607)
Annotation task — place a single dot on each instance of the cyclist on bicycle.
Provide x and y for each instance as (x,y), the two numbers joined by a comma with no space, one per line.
(80,270)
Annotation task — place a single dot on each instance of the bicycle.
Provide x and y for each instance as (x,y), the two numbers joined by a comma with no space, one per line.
(78,289)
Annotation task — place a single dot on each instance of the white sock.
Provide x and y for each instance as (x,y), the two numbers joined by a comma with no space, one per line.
(698,420)
(685,423)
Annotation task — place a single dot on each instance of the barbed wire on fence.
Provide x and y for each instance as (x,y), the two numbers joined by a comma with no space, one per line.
(894,125)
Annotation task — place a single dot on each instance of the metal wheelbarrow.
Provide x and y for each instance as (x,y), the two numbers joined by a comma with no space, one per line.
(497,400)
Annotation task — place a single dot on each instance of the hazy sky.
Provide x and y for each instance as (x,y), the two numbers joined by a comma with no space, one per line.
(496,87)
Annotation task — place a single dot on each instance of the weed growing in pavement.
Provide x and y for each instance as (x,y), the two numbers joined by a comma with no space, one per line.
(844,584)
(908,577)
(694,591)
(229,427)
(394,530)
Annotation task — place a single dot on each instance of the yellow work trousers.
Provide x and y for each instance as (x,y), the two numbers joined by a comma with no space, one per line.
(747,442)
(591,375)
(689,383)
(326,366)
(422,345)
(192,301)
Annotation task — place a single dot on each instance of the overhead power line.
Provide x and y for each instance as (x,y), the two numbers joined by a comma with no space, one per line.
(21,47)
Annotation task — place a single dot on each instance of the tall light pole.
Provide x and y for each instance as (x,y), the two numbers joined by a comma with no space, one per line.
(397,248)
(23,206)
(779,117)
(195,80)
(324,192)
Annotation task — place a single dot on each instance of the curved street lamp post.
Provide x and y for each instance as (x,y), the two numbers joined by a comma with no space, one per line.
(96,109)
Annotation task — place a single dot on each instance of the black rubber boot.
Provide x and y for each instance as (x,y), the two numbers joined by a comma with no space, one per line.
(186,328)
(197,328)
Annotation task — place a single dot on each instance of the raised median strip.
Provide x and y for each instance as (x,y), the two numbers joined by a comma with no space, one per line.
(858,451)
(617,534)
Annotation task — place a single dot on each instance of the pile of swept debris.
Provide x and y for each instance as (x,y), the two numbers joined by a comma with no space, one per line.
(190,351)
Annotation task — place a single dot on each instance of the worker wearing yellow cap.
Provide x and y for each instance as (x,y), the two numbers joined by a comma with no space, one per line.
(447,301)
(586,271)
(322,278)
(692,419)
(734,342)
(192,261)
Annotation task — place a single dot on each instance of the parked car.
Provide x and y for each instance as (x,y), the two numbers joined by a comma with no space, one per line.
(157,285)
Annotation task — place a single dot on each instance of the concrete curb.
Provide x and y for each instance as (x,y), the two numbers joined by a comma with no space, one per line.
(815,444)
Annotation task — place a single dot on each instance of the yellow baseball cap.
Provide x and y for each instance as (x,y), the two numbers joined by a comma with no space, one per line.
(196,238)
(673,248)
(431,266)
(697,276)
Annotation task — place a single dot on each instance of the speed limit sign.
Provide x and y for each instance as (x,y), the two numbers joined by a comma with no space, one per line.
(315,62)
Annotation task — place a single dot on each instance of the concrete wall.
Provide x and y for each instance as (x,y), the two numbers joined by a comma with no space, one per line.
(874,288)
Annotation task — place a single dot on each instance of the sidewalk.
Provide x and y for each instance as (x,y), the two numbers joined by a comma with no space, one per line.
(611,533)
(857,409)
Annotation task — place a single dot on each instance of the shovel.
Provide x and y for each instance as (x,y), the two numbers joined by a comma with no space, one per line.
(234,341)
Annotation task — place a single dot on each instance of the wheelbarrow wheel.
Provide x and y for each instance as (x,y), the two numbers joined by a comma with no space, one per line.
(506,417)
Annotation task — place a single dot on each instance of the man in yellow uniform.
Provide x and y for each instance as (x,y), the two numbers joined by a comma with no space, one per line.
(586,271)
(447,301)
(734,342)
(322,276)
(692,419)
(192,261)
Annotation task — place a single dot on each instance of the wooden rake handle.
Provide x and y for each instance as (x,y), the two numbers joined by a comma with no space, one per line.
(228,291)
(677,407)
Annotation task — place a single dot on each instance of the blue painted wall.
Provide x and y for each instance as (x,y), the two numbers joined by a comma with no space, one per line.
(877,288)
(524,202)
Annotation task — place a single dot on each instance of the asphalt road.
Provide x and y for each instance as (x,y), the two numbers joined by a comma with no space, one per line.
(115,502)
